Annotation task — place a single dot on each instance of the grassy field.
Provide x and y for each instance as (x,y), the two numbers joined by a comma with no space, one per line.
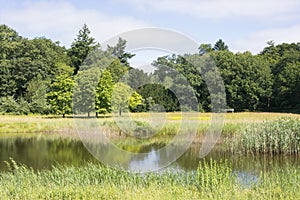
(211,181)
(53,124)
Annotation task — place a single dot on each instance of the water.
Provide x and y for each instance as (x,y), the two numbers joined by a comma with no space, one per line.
(45,152)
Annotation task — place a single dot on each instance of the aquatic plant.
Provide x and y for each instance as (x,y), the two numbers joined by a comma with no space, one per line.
(281,136)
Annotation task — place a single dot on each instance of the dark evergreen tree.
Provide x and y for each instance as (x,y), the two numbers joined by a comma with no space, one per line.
(81,47)
(220,46)
(119,52)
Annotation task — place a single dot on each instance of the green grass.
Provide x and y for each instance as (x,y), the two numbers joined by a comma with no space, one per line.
(211,181)
(50,124)
(280,136)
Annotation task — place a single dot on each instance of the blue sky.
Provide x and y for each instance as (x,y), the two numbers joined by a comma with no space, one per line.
(243,25)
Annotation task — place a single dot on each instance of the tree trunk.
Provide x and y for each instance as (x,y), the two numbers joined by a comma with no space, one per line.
(63,115)
(96,114)
(88,114)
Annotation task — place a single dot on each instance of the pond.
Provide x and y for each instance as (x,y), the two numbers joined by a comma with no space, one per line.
(41,152)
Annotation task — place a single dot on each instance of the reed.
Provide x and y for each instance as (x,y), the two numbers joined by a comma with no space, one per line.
(212,180)
(280,136)
(211,174)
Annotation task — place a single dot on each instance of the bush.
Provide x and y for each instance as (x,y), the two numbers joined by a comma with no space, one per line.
(8,105)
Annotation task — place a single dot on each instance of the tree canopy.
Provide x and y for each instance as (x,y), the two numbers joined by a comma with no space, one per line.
(41,76)
(81,47)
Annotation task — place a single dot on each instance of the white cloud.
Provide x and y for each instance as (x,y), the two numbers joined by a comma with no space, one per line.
(61,21)
(255,42)
(223,9)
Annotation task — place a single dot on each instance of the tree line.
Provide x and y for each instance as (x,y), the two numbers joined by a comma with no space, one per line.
(41,76)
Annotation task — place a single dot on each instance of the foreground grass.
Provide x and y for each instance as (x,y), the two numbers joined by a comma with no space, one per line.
(211,181)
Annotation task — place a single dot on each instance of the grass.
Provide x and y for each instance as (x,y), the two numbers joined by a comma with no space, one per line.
(34,124)
(280,136)
(211,181)
(49,124)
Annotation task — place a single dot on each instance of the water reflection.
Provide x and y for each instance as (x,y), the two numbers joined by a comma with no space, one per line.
(150,161)
(246,179)
(42,152)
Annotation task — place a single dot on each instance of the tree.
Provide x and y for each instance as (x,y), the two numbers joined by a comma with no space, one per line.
(104,93)
(8,85)
(248,80)
(36,95)
(220,46)
(284,62)
(287,78)
(8,105)
(84,91)
(124,97)
(205,48)
(119,52)
(135,100)
(158,94)
(81,47)
(22,60)
(61,92)
(137,78)
(181,77)
(117,70)
(39,56)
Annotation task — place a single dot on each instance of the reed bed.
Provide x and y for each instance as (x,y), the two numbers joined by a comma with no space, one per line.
(280,136)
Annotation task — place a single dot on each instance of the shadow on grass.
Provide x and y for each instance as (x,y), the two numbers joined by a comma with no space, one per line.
(76,116)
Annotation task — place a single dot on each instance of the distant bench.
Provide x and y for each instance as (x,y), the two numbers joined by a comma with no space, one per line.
(229,110)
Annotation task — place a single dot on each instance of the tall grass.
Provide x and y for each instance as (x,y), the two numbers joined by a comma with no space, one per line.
(211,181)
(281,136)
(211,174)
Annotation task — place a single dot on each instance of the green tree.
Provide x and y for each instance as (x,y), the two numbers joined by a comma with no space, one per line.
(8,105)
(248,79)
(8,84)
(21,60)
(81,47)
(137,78)
(157,94)
(104,93)
(61,92)
(287,78)
(220,46)
(135,100)
(117,70)
(36,95)
(39,56)
(205,48)
(121,97)
(119,52)
(9,43)
(179,75)
(84,91)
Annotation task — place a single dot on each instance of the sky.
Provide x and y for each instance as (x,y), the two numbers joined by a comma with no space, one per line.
(243,25)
